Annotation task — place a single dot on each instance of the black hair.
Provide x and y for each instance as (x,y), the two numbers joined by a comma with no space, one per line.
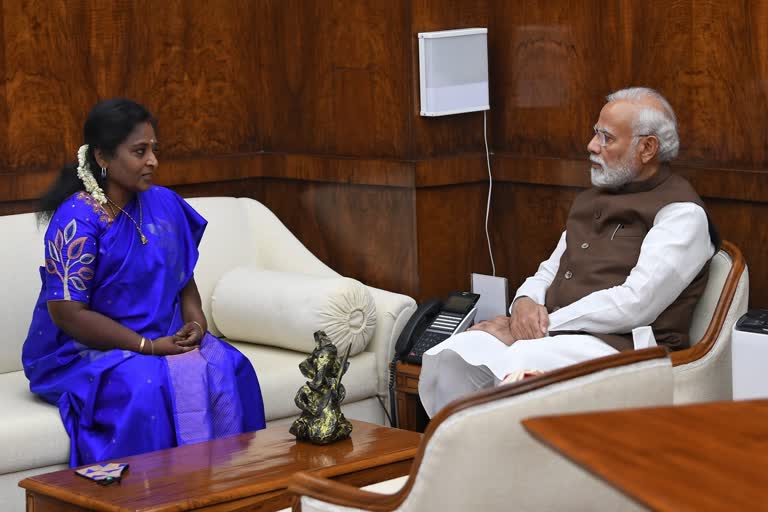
(109,123)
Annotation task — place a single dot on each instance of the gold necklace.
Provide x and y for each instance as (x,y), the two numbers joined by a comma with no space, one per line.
(141,218)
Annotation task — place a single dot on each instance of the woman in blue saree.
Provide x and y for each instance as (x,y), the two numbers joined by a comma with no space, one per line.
(118,338)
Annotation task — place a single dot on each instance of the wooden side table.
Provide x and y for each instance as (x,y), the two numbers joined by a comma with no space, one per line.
(706,456)
(410,412)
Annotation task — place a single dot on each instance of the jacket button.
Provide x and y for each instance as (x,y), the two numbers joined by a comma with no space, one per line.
(585,245)
(568,274)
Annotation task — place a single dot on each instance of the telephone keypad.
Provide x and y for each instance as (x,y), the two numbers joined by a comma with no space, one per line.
(442,327)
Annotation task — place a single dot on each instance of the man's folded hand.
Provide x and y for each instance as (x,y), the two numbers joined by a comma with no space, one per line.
(529,320)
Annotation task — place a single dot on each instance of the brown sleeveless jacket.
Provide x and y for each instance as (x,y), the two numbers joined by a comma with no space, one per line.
(604,232)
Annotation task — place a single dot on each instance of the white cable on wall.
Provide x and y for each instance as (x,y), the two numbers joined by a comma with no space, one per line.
(490,189)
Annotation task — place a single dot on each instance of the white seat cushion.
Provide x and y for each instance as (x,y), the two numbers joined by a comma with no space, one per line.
(32,433)
(280,378)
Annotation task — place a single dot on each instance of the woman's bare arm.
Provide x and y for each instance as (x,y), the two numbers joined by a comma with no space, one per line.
(101,332)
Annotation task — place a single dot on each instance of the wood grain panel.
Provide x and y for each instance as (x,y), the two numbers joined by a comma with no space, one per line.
(338,77)
(444,135)
(364,232)
(313,106)
(196,65)
(710,59)
(744,225)
(551,64)
(47,81)
(451,238)
(3,99)
(719,446)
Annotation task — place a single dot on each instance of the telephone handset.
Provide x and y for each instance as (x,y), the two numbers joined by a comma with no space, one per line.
(433,322)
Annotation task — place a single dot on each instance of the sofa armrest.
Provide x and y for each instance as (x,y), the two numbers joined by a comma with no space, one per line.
(280,250)
(286,254)
(392,312)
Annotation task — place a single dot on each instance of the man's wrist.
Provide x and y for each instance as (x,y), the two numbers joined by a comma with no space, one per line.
(517,299)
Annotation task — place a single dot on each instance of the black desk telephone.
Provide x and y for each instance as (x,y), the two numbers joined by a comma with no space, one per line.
(433,322)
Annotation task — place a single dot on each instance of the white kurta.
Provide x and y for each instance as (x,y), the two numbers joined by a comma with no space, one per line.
(673,252)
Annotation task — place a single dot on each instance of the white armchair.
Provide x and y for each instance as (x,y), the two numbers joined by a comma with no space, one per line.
(476,455)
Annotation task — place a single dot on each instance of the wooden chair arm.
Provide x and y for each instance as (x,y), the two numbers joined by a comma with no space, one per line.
(306,484)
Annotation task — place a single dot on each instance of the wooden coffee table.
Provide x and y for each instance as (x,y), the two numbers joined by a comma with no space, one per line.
(244,472)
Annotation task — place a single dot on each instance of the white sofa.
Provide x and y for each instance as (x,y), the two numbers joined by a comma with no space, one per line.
(241,233)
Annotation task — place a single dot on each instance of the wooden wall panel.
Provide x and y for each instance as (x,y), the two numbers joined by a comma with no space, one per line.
(552,63)
(313,107)
(363,232)
(48,83)
(195,63)
(744,224)
(338,78)
(710,59)
(451,238)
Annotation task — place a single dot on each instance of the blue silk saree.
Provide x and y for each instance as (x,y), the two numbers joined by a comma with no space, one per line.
(116,403)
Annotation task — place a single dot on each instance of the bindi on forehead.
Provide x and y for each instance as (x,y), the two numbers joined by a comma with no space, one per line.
(143,134)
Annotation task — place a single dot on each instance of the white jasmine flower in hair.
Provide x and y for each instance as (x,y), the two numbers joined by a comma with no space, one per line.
(86,176)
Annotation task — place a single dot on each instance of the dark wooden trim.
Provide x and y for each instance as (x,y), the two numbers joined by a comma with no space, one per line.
(466,168)
(30,185)
(706,344)
(453,170)
(352,170)
(303,484)
(738,184)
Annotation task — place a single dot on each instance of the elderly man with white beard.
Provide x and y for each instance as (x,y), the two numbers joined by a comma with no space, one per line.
(626,273)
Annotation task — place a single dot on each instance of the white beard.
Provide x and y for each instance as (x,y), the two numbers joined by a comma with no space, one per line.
(612,177)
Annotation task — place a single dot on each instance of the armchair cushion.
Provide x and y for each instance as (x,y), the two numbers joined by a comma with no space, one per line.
(283,309)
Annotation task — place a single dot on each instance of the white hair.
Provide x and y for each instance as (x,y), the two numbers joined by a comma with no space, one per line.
(652,121)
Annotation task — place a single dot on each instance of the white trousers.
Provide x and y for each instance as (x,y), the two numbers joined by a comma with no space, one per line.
(473,360)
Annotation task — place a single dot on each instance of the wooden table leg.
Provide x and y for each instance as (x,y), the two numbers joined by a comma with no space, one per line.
(410,412)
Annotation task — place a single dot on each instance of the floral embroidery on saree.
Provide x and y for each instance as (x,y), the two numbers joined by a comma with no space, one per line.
(65,253)
(97,207)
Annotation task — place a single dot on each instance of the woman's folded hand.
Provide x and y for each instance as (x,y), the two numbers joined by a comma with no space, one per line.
(190,335)
(167,346)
